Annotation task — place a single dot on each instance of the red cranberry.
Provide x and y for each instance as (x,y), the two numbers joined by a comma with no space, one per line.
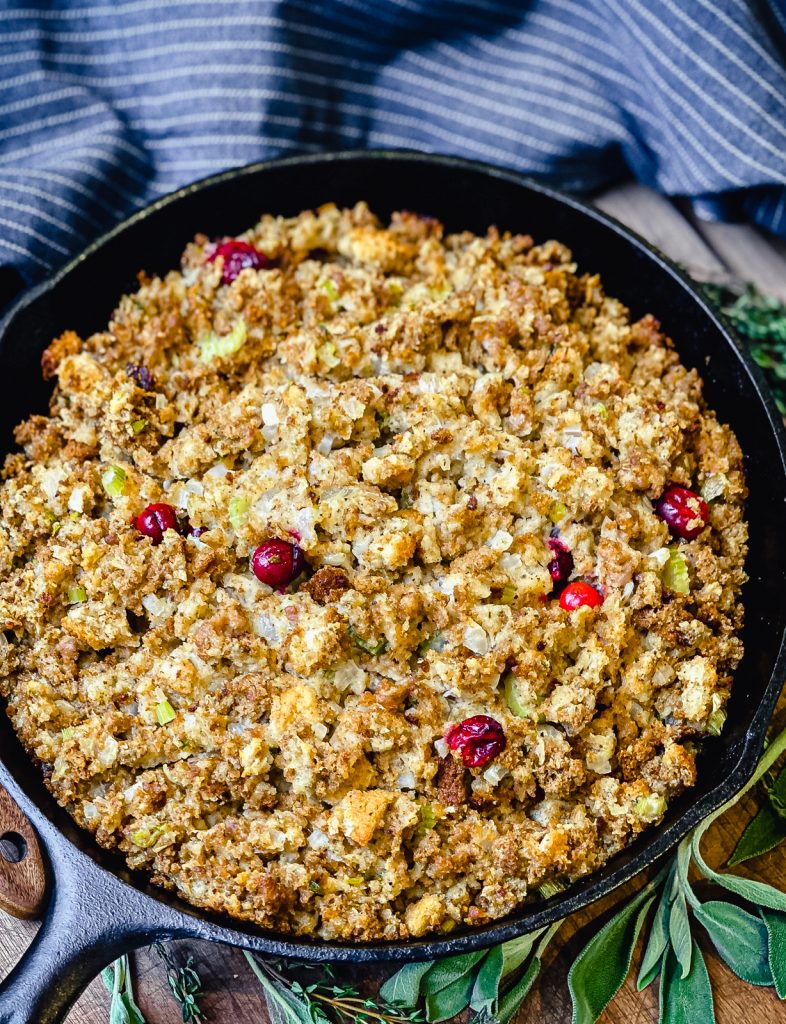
(155,520)
(478,740)
(579,595)
(277,562)
(237,256)
(561,565)
(141,376)
(683,511)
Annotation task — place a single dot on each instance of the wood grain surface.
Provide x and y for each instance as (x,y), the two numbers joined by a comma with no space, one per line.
(719,252)
(22,875)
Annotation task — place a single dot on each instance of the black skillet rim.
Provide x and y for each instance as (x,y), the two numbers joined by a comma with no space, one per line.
(585,891)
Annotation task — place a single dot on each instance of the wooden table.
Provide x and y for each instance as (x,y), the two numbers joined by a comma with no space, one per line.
(710,251)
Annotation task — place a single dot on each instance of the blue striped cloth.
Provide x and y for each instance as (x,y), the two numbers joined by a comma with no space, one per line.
(105,106)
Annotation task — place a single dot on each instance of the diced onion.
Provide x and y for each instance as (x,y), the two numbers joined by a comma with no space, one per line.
(476,639)
(495,774)
(269,414)
(318,840)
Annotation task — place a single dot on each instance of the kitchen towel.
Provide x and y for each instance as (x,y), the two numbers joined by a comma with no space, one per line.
(105,106)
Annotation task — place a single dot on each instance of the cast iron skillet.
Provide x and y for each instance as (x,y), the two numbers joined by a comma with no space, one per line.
(97,910)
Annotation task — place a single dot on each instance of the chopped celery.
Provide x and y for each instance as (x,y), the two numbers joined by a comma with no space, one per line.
(113,481)
(147,837)
(675,573)
(238,507)
(212,345)
(76,595)
(427,820)
(716,722)
(557,512)
(165,713)
(650,807)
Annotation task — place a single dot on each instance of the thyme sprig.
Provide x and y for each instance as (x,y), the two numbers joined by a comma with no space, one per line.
(296,1000)
(184,984)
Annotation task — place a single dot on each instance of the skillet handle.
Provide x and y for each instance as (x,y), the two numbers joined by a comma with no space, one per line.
(22,873)
(92,918)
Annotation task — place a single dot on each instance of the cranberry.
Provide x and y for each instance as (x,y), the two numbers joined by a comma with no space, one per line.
(683,511)
(478,740)
(579,595)
(237,256)
(277,562)
(141,376)
(561,565)
(156,519)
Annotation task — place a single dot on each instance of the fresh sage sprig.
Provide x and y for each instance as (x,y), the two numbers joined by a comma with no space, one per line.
(493,982)
(768,828)
(117,980)
(751,942)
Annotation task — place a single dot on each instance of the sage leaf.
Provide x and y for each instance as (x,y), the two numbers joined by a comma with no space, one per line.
(685,1000)
(486,988)
(762,834)
(656,945)
(775,922)
(516,951)
(283,1006)
(515,996)
(403,989)
(600,969)
(451,1000)
(775,788)
(740,939)
(758,893)
(679,933)
(445,972)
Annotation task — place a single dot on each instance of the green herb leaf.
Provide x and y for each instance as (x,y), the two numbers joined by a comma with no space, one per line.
(656,945)
(451,1000)
(758,893)
(775,788)
(739,937)
(117,980)
(515,996)
(284,1007)
(600,969)
(762,834)
(403,989)
(370,647)
(679,933)
(516,951)
(486,988)
(686,1000)
(775,923)
(445,972)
